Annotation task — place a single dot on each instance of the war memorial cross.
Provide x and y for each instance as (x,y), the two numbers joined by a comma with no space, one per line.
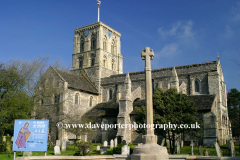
(147,55)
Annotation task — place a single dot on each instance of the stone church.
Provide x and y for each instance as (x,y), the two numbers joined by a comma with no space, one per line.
(97,88)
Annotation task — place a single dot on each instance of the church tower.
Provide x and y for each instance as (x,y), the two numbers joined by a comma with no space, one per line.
(97,50)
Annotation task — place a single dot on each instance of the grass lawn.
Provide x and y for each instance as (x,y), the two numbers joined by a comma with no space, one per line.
(70,152)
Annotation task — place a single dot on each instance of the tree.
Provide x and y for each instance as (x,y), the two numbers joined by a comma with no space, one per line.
(18,80)
(234,111)
(171,106)
(15,103)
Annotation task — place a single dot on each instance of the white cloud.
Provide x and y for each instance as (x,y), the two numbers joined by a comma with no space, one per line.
(236,12)
(229,33)
(179,30)
(169,50)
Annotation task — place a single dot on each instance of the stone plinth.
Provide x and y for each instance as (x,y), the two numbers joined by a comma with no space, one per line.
(150,152)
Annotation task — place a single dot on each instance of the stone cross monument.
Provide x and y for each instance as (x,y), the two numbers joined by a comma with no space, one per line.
(150,149)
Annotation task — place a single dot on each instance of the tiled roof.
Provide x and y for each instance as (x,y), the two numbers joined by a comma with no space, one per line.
(79,82)
(107,109)
(111,109)
(203,102)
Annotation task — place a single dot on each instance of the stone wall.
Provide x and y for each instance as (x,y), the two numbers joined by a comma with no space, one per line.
(124,157)
(187,76)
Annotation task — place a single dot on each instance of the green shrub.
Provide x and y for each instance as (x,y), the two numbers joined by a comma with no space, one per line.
(118,149)
(131,147)
(84,147)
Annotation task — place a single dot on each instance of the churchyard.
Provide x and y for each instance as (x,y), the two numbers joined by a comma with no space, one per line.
(72,150)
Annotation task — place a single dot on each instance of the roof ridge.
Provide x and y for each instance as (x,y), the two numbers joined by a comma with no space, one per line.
(56,70)
(85,76)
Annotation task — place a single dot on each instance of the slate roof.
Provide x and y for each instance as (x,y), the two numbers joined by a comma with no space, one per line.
(203,102)
(107,109)
(79,82)
(111,109)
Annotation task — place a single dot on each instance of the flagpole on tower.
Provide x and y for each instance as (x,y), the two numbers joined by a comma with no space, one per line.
(99,2)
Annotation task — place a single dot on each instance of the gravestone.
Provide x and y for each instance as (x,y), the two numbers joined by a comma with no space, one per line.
(64,145)
(115,142)
(50,144)
(57,150)
(58,142)
(27,153)
(163,142)
(139,144)
(218,150)
(231,148)
(8,143)
(105,144)
(98,148)
(4,139)
(111,144)
(192,144)
(178,147)
(125,150)
(168,144)
(200,150)
(206,152)
(84,137)
(103,150)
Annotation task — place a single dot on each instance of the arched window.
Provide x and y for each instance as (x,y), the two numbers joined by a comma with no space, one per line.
(92,60)
(80,62)
(77,98)
(82,45)
(196,86)
(93,43)
(104,45)
(105,61)
(110,94)
(90,101)
(112,48)
(113,64)
(57,99)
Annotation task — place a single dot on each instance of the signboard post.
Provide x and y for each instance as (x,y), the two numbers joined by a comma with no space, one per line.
(30,135)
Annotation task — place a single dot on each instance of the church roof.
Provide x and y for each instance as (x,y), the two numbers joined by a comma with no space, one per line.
(107,109)
(164,72)
(111,109)
(79,82)
(203,102)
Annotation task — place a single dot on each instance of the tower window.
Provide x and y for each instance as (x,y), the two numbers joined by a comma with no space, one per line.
(105,61)
(104,45)
(92,60)
(113,64)
(93,45)
(112,48)
(57,99)
(80,62)
(110,94)
(196,86)
(82,45)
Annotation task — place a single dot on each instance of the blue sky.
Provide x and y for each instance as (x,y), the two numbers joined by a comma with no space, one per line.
(180,32)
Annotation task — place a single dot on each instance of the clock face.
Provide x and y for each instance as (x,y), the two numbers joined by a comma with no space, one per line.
(109,33)
(86,33)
